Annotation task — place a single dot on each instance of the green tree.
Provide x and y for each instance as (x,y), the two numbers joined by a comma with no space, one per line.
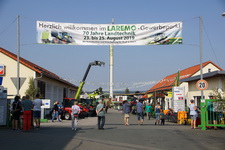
(127,91)
(218,94)
(32,90)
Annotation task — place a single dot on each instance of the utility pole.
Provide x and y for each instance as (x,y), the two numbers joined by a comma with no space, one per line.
(200,43)
(18,54)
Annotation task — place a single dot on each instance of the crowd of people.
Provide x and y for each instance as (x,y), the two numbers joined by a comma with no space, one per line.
(22,112)
(142,109)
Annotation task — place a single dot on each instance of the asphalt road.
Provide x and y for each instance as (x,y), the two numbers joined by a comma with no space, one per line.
(59,136)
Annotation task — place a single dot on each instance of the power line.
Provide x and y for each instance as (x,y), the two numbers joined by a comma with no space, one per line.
(8,27)
(210,43)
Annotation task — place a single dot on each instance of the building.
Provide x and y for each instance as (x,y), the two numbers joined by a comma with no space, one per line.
(51,86)
(162,91)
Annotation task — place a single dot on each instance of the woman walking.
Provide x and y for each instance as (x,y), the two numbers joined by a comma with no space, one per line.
(74,115)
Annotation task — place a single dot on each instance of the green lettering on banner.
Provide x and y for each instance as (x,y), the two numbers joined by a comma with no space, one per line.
(121,28)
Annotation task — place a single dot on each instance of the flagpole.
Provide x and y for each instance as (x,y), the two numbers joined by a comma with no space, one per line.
(111,63)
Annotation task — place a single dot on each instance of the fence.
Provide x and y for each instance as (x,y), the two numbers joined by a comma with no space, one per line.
(212,113)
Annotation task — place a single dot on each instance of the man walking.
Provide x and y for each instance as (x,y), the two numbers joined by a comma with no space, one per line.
(37,110)
(126,111)
(101,115)
(140,113)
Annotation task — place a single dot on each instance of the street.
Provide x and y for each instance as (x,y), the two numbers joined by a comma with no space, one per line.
(59,136)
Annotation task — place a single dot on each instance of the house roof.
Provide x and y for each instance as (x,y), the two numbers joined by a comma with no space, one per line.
(168,82)
(35,67)
(205,76)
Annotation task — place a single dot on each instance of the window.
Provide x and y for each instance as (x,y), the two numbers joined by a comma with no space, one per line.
(41,86)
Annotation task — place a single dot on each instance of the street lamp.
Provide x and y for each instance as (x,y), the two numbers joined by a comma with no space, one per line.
(223,14)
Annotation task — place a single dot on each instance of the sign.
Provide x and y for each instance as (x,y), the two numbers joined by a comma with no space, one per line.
(202,84)
(1,78)
(2,69)
(46,103)
(109,34)
(21,81)
(178,99)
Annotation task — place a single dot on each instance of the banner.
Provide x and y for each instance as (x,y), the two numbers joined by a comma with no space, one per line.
(109,34)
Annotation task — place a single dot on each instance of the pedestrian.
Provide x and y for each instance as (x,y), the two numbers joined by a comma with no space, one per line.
(60,111)
(157,113)
(37,110)
(55,113)
(126,112)
(27,105)
(193,114)
(16,109)
(162,117)
(148,110)
(101,115)
(106,107)
(75,111)
(140,112)
(21,114)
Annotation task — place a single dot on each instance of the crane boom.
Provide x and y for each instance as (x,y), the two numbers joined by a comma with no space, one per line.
(95,63)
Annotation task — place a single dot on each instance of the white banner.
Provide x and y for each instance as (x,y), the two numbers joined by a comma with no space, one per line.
(109,34)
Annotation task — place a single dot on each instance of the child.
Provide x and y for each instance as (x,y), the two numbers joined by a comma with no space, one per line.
(162,117)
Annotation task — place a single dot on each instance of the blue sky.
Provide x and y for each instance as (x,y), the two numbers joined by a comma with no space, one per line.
(135,67)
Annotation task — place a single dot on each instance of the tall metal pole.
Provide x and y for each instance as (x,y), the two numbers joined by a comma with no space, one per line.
(18,54)
(111,63)
(200,43)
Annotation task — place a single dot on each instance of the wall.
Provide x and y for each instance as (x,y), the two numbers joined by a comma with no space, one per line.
(11,71)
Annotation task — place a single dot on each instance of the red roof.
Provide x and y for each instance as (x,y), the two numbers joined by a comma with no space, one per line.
(168,81)
(35,67)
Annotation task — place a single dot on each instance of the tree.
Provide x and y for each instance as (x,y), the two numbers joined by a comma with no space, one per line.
(218,94)
(127,91)
(32,90)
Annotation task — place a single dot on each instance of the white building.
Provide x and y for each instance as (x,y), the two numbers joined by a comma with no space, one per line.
(51,86)
(162,91)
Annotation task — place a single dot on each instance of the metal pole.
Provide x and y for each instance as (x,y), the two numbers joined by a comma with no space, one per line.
(200,43)
(111,63)
(18,54)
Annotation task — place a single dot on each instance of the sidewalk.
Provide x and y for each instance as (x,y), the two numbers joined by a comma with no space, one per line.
(59,136)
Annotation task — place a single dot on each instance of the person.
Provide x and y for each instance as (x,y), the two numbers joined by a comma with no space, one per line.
(55,113)
(193,114)
(212,116)
(140,113)
(162,117)
(27,105)
(16,109)
(157,113)
(60,111)
(106,107)
(126,112)
(21,114)
(148,110)
(37,110)
(75,111)
(101,115)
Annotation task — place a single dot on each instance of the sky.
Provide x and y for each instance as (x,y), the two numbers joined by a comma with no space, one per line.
(137,68)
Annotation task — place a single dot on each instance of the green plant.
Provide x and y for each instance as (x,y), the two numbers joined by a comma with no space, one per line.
(32,90)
